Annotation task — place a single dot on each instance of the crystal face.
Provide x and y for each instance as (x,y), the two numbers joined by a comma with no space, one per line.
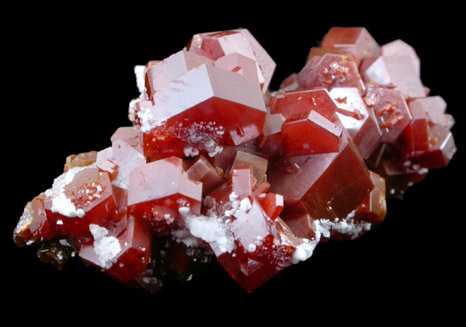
(201,111)
(218,167)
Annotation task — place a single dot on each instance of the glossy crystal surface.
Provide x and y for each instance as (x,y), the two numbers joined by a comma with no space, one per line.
(355,40)
(216,166)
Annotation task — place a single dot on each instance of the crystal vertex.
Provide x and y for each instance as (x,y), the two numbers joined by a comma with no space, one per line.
(217,166)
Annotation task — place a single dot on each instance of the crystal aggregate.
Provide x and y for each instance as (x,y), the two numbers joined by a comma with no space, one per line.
(217,166)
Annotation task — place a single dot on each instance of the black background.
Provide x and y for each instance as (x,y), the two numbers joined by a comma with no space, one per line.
(69,76)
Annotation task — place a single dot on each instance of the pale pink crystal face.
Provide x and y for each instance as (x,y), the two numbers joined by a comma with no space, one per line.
(200,112)
(129,135)
(291,103)
(218,44)
(331,71)
(237,63)
(357,119)
(397,71)
(390,109)
(159,191)
(435,109)
(165,71)
(401,48)
(119,161)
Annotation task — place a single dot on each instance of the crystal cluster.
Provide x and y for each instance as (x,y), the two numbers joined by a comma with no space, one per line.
(217,166)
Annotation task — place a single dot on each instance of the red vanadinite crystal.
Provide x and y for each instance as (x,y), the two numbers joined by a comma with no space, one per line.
(217,166)
(355,40)
(328,185)
(159,190)
(201,111)
(309,133)
(124,255)
(357,119)
(295,102)
(259,251)
(79,198)
(331,71)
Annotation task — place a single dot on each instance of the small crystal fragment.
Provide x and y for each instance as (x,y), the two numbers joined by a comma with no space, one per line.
(272,204)
(295,102)
(203,171)
(55,253)
(331,71)
(309,133)
(390,109)
(357,119)
(130,136)
(259,164)
(401,48)
(441,149)
(435,109)
(159,190)
(374,207)
(80,160)
(396,71)
(320,52)
(355,40)
(301,223)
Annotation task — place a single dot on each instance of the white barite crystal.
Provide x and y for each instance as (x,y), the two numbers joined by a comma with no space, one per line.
(63,206)
(304,250)
(213,231)
(107,248)
(147,120)
(323,227)
(245,205)
(215,151)
(183,211)
(60,202)
(189,151)
(343,226)
(139,72)
(64,242)
(233,196)
(80,213)
(252,247)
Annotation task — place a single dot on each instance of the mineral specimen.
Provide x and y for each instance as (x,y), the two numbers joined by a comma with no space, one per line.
(217,166)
